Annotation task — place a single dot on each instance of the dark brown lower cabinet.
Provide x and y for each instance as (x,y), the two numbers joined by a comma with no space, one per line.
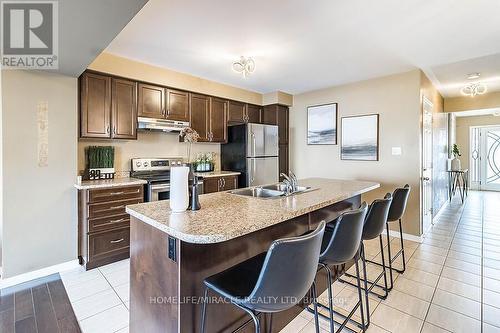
(103,224)
(218,184)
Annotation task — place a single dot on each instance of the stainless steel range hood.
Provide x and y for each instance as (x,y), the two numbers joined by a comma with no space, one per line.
(164,125)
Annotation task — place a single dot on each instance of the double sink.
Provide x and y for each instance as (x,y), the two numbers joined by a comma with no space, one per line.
(269,191)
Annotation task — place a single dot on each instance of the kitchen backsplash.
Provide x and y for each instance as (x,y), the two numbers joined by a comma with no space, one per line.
(148,144)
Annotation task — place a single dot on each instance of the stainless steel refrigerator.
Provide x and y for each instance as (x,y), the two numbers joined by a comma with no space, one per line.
(252,149)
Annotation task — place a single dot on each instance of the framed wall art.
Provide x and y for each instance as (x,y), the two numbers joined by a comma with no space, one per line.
(360,138)
(322,124)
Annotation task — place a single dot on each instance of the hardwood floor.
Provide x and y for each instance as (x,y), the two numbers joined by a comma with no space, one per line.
(38,306)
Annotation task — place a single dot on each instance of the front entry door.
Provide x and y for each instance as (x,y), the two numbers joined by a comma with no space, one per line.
(426,182)
(490,158)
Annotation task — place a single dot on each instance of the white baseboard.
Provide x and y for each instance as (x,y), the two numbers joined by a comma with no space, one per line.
(25,277)
(413,238)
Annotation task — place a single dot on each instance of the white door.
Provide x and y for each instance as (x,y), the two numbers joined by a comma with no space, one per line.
(426,182)
(490,158)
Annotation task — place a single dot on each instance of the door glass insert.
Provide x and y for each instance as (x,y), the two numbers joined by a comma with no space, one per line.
(474,172)
(493,157)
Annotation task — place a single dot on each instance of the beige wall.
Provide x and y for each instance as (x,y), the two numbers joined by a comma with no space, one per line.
(462,133)
(397,99)
(466,103)
(277,97)
(39,217)
(148,144)
(112,64)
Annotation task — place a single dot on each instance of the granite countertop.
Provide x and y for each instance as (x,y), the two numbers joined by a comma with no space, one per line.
(104,183)
(224,216)
(216,174)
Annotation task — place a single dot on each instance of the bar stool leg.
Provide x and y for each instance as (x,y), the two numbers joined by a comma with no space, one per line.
(363,260)
(386,290)
(204,311)
(315,301)
(390,255)
(251,314)
(270,330)
(330,296)
(402,248)
(360,296)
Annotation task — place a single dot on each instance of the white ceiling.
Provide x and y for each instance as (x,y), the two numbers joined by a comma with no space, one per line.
(87,27)
(303,45)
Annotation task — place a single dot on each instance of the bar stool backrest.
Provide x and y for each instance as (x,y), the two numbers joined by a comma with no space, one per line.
(376,217)
(345,237)
(399,201)
(288,272)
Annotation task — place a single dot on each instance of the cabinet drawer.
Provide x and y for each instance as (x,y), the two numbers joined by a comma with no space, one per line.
(110,208)
(110,222)
(108,243)
(116,193)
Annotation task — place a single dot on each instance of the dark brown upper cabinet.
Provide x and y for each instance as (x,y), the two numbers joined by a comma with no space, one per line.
(177,105)
(151,101)
(124,109)
(218,120)
(270,115)
(95,104)
(283,129)
(236,112)
(240,113)
(276,114)
(253,113)
(200,109)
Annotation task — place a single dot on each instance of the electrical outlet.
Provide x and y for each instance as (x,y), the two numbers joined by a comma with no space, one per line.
(172,248)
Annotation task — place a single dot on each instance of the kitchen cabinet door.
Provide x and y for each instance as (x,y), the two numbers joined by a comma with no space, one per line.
(236,112)
(282,114)
(254,113)
(229,183)
(124,109)
(218,120)
(270,115)
(151,101)
(95,106)
(200,106)
(211,185)
(283,160)
(177,105)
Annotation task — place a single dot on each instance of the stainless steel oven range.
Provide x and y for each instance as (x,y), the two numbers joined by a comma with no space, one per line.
(156,171)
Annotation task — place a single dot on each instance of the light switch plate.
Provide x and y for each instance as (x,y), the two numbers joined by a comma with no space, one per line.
(396,151)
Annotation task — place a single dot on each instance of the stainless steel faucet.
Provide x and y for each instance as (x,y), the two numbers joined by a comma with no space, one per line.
(290,183)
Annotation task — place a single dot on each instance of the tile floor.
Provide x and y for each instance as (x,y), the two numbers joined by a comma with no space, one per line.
(452,281)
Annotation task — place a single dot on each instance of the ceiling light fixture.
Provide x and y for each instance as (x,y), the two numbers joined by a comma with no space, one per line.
(474,89)
(245,66)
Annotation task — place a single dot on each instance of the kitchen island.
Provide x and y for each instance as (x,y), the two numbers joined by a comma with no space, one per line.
(171,253)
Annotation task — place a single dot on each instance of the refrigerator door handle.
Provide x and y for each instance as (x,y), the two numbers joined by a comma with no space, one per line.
(253,171)
(254,143)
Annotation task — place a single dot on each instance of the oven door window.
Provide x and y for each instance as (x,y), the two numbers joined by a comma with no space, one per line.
(160,192)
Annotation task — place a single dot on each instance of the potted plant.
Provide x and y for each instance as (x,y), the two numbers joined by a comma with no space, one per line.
(455,162)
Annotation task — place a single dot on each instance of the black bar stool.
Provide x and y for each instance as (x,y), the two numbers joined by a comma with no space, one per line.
(375,221)
(396,212)
(341,243)
(272,281)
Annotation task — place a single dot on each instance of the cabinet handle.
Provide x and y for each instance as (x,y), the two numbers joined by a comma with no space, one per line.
(116,193)
(107,129)
(116,207)
(116,221)
(223,182)
(117,241)
(114,129)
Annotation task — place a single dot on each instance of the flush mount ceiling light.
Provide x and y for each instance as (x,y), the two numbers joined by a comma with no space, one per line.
(245,66)
(474,89)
